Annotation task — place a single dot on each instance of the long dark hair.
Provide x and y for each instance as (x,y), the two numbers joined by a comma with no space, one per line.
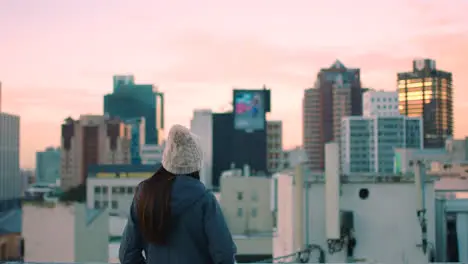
(153,206)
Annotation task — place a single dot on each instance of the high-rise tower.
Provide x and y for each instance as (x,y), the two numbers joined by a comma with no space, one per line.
(427,92)
(337,93)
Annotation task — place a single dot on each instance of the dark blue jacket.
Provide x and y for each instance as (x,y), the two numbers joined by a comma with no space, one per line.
(200,234)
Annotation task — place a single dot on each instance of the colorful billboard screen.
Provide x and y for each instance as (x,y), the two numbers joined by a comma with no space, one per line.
(249,110)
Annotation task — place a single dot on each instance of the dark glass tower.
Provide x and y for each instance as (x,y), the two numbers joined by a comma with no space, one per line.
(427,92)
(131,101)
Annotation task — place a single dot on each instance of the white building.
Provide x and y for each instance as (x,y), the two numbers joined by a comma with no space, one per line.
(58,233)
(151,154)
(113,186)
(373,211)
(275,158)
(202,125)
(10,180)
(368,143)
(380,103)
(246,204)
(294,157)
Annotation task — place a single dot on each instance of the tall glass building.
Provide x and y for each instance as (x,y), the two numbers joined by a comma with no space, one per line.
(368,143)
(130,101)
(427,92)
(48,164)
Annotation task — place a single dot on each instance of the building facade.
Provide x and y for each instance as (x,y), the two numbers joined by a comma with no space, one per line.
(202,125)
(246,205)
(48,165)
(59,233)
(380,103)
(113,186)
(427,92)
(151,154)
(337,93)
(275,157)
(92,140)
(10,180)
(130,100)
(368,143)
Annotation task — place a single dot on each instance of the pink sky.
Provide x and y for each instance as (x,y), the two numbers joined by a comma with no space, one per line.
(58,57)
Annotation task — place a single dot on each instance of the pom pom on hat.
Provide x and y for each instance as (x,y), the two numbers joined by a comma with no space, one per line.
(182,153)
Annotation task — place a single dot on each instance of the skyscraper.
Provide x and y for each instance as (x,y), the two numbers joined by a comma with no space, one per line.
(427,92)
(130,101)
(92,140)
(337,93)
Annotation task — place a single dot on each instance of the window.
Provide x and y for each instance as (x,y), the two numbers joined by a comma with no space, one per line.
(97,205)
(254,212)
(105,204)
(239,212)
(130,190)
(240,196)
(104,189)
(97,189)
(115,204)
(254,196)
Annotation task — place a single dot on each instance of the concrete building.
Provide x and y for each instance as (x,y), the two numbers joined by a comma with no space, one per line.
(337,93)
(370,210)
(294,157)
(427,92)
(246,204)
(92,140)
(275,157)
(113,186)
(368,143)
(58,233)
(48,165)
(151,154)
(452,155)
(202,125)
(380,103)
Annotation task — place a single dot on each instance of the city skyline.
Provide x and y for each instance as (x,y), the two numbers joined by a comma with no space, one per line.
(59,57)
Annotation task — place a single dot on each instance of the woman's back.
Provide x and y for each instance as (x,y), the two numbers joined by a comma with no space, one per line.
(173,218)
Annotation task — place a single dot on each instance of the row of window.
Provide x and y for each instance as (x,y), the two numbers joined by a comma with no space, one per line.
(115,189)
(105,204)
(240,212)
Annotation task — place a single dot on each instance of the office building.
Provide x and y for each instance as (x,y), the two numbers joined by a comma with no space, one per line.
(10,180)
(294,157)
(10,187)
(202,125)
(48,165)
(275,157)
(113,186)
(380,103)
(368,143)
(92,140)
(427,92)
(130,101)
(337,93)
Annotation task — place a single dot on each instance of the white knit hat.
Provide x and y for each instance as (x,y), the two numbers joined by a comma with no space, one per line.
(182,153)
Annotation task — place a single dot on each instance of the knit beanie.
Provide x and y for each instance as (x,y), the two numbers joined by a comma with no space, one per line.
(182,153)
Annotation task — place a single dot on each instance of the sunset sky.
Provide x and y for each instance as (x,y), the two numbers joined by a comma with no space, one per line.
(57,57)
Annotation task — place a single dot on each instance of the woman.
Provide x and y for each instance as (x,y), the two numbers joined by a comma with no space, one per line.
(173,217)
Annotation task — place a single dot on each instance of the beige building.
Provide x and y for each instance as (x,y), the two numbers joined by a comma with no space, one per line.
(246,204)
(275,159)
(91,140)
(59,233)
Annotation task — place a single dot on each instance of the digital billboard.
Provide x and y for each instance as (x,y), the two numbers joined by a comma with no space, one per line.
(249,110)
